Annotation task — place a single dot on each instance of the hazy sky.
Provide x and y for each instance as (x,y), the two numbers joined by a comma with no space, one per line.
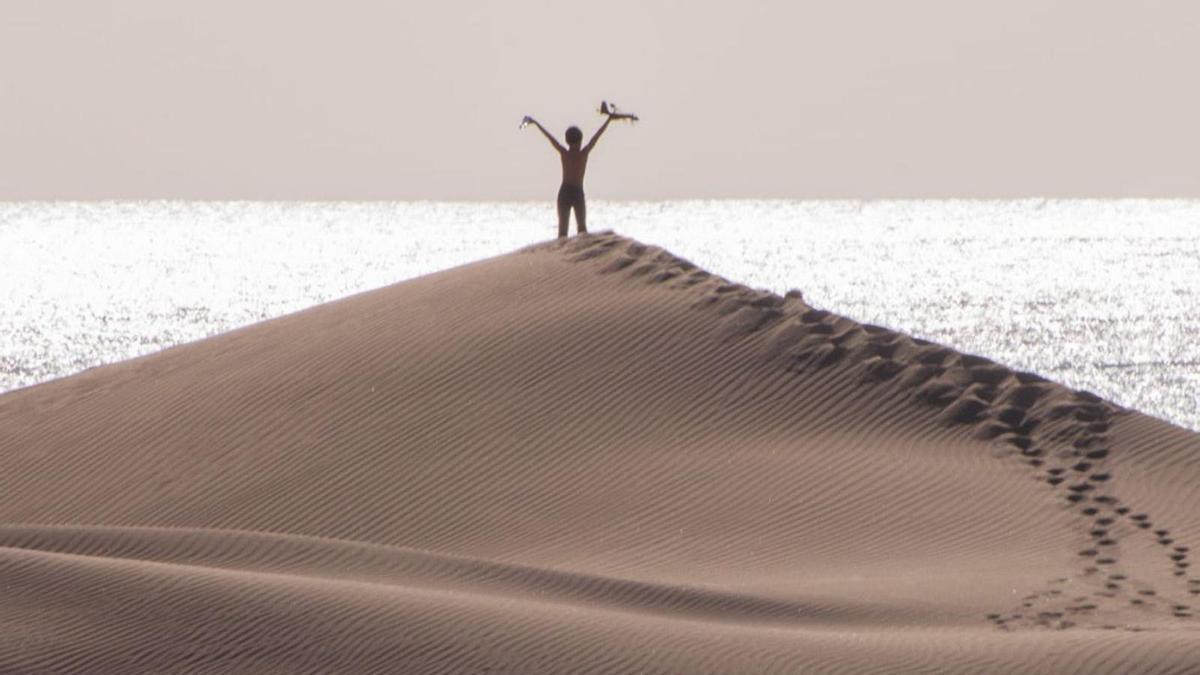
(360,99)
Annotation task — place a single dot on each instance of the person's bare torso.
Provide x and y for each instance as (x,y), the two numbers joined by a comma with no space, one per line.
(574,164)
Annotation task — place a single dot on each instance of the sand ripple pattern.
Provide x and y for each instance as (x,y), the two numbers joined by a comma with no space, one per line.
(588,456)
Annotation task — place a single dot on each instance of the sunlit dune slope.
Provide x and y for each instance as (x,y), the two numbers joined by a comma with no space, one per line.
(588,456)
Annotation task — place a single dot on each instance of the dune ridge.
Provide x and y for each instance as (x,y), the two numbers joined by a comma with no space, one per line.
(588,456)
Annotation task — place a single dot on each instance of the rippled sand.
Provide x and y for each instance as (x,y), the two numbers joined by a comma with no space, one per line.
(588,456)
(1099,294)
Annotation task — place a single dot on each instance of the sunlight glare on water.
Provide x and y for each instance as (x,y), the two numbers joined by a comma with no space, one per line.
(1101,295)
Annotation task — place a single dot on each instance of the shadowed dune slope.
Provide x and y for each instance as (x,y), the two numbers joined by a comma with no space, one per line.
(588,456)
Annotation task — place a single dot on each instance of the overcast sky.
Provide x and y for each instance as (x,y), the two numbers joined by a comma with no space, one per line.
(361,99)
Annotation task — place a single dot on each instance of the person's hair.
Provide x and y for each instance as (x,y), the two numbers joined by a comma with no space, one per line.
(574,136)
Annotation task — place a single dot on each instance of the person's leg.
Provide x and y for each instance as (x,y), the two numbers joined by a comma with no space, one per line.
(581,214)
(564,214)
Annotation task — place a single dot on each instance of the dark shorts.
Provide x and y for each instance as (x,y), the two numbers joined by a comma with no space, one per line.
(570,196)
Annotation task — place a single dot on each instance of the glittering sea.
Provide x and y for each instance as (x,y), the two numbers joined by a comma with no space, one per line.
(1100,295)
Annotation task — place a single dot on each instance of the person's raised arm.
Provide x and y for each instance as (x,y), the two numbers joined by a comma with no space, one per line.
(553,141)
(596,136)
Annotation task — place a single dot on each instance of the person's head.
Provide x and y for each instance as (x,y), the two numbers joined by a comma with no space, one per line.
(574,137)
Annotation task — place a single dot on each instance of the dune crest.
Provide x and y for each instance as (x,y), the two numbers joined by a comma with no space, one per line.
(588,456)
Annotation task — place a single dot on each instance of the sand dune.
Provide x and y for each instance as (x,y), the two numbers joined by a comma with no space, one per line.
(588,456)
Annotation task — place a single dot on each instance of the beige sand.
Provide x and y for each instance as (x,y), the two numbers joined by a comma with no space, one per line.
(587,457)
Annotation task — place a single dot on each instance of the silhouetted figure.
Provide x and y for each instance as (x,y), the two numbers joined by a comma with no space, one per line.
(574,165)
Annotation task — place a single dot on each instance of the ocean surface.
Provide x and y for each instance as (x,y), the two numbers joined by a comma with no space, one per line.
(1100,295)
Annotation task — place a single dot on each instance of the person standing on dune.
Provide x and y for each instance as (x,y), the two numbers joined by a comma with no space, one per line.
(574,164)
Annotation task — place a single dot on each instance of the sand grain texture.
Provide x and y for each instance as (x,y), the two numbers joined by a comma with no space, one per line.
(588,456)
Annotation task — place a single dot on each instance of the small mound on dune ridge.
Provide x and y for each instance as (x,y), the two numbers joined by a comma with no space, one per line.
(588,456)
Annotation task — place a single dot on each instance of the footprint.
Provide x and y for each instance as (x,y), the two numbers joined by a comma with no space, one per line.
(1021,441)
(974,361)
(1011,416)
(966,410)
(917,375)
(827,355)
(991,430)
(988,374)
(881,369)
(984,392)
(1025,395)
(1029,378)
(936,356)
(938,393)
